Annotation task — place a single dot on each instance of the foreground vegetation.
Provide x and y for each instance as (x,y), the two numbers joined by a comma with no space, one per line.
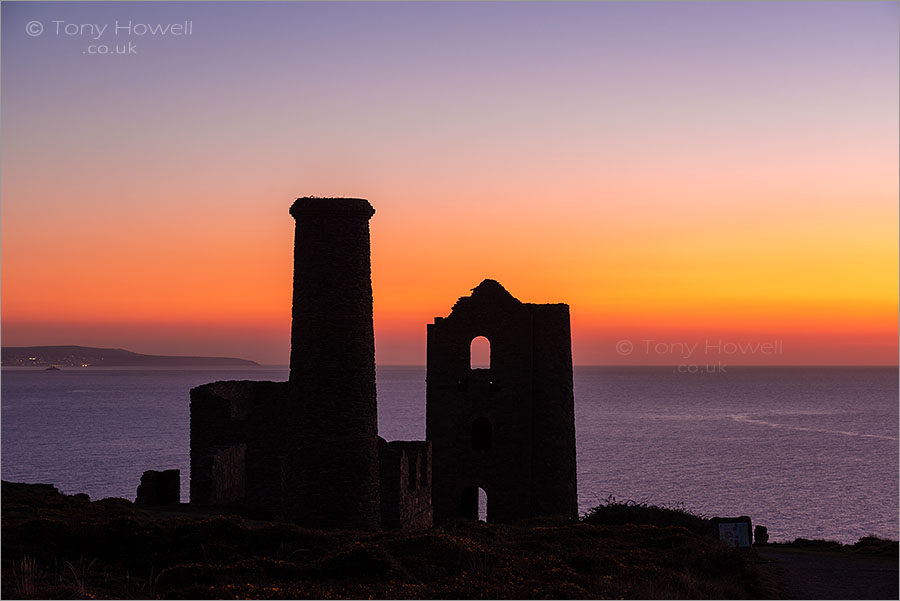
(58,546)
(867,545)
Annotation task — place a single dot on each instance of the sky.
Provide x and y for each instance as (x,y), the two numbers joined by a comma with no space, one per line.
(702,183)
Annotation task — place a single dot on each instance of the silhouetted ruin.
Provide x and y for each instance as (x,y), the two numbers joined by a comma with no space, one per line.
(239,437)
(508,429)
(308,449)
(159,488)
(405,483)
(333,477)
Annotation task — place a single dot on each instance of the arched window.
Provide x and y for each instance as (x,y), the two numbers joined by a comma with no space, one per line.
(482,434)
(474,504)
(480,353)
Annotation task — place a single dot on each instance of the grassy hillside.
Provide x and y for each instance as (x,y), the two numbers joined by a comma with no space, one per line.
(58,546)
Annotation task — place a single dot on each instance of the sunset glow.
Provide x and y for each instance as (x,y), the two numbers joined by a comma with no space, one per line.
(677,173)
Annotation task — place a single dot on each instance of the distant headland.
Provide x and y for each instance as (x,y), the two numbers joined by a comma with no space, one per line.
(86,356)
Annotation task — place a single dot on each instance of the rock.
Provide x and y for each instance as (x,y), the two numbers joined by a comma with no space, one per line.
(159,488)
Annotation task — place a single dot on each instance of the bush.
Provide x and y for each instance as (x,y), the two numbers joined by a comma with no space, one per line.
(618,513)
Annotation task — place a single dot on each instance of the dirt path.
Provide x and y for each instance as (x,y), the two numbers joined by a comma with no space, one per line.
(830,575)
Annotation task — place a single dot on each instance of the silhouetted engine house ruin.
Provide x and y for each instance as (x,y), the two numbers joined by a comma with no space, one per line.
(508,429)
(308,450)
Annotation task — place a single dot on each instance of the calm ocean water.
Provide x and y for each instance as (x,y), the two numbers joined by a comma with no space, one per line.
(809,452)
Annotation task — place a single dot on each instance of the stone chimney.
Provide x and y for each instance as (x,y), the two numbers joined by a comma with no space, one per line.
(332,478)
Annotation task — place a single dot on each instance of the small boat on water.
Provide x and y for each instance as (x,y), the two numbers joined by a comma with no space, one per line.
(53,368)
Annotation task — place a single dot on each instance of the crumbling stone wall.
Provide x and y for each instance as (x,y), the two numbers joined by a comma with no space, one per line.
(229,470)
(509,429)
(238,433)
(405,484)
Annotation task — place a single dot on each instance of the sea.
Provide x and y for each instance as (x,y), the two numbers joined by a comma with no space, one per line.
(808,452)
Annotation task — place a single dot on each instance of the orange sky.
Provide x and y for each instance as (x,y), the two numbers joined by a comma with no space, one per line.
(146,207)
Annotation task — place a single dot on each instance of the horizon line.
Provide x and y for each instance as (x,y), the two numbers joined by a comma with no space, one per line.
(422,365)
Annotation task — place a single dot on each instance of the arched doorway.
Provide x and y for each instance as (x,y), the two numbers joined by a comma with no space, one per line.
(474,504)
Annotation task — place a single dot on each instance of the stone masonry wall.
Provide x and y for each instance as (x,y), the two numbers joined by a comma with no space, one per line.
(405,484)
(238,433)
(554,489)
